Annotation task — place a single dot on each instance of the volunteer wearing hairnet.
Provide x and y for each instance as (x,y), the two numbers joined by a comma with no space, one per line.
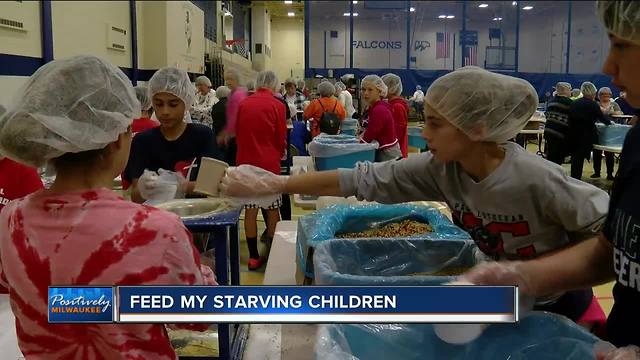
(326,107)
(345,99)
(613,255)
(175,148)
(583,115)
(219,110)
(513,203)
(418,102)
(608,107)
(399,110)
(140,124)
(79,232)
(556,131)
(144,122)
(16,180)
(377,120)
(227,138)
(262,141)
(204,101)
(293,95)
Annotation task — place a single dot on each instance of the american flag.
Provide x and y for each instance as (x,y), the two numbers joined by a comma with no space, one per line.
(443,44)
(470,55)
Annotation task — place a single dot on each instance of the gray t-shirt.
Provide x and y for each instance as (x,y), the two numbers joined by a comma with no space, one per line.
(527,207)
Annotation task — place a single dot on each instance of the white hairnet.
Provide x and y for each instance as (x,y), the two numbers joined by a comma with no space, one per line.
(222,92)
(563,86)
(575,92)
(622,18)
(301,84)
(377,82)
(290,81)
(143,96)
(203,80)
(418,87)
(173,81)
(588,89)
(341,86)
(232,73)
(267,79)
(605,90)
(326,89)
(394,84)
(484,105)
(71,105)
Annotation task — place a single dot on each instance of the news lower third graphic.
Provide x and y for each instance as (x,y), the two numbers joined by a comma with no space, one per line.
(81,305)
(284,304)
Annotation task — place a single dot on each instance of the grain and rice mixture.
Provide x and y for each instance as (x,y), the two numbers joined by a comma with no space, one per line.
(402,229)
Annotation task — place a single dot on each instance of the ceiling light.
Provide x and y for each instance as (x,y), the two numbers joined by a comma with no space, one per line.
(442,17)
(347,14)
(412,9)
(288,1)
(527,8)
(355,1)
(483,5)
(497,19)
(450,16)
(515,3)
(291,14)
(355,14)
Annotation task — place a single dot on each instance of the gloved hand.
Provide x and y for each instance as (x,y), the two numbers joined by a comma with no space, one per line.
(247,181)
(163,187)
(630,352)
(500,273)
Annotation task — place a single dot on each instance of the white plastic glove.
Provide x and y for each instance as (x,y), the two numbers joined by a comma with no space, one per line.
(499,273)
(247,181)
(630,352)
(163,187)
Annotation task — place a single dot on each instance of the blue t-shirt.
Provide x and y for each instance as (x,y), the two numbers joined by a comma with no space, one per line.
(152,151)
(622,228)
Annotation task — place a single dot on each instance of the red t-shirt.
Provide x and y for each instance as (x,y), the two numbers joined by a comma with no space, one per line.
(400,112)
(16,181)
(261,131)
(142,124)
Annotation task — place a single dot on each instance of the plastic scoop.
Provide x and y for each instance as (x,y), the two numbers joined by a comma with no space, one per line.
(459,334)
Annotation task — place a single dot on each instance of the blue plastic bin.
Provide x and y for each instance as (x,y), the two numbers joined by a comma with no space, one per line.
(612,135)
(324,224)
(539,336)
(344,161)
(349,127)
(391,262)
(332,152)
(415,138)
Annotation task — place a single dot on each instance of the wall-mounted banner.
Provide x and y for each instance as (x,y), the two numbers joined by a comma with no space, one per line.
(285,304)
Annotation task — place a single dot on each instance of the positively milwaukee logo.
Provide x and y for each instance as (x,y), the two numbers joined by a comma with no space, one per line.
(80,304)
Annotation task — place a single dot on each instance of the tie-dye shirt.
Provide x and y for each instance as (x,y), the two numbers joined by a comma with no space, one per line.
(91,237)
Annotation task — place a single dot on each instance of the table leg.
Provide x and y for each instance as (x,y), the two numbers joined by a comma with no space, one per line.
(234,253)
(222,257)
(224,342)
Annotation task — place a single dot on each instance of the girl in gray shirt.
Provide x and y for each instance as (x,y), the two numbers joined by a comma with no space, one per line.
(515,205)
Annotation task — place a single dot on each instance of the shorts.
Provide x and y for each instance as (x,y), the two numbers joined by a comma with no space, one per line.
(275,205)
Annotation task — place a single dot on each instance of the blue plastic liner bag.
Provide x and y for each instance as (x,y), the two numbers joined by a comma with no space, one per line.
(324,224)
(538,336)
(612,135)
(393,262)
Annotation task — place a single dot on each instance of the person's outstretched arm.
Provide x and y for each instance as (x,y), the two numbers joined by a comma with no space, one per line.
(580,266)
(411,179)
